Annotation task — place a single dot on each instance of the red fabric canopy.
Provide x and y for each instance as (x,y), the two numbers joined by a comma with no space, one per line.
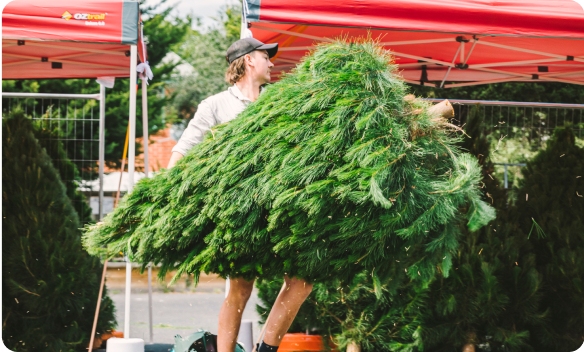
(469,42)
(65,39)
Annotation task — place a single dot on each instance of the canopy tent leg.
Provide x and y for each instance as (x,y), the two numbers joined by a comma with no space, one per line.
(131,166)
(145,126)
(101,163)
(101,146)
(146,170)
(150,301)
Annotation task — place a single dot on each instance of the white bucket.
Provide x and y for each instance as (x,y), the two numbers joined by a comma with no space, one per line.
(115,344)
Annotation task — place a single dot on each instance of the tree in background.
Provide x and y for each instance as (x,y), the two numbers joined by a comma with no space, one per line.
(162,32)
(551,193)
(205,51)
(49,283)
(518,283)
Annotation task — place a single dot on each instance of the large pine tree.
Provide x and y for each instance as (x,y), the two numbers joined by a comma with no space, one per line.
(329,172)
(399,315)
(513,288)
(50,284)
(552,194)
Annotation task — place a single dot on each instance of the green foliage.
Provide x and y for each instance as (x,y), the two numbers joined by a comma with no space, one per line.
(507,291)
(205,51)
(427,317)
(161,33)
(331,154)
(513,292)
(49,283)
(552,194)
(355,312)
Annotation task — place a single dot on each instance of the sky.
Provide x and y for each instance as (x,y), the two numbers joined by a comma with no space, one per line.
(199,8)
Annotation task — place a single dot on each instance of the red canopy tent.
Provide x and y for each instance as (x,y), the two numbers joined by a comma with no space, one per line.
(467,42)
(80,39)
(64,39)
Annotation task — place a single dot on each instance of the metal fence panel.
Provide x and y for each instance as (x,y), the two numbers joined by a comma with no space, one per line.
(74,121)
(518,130)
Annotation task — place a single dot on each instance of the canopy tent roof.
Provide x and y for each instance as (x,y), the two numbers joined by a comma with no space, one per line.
(65,39)
(468,42)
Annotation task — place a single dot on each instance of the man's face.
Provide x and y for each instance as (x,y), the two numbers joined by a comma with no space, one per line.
(260,66)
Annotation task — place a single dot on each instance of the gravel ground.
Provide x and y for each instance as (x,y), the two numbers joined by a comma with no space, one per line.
(176,313)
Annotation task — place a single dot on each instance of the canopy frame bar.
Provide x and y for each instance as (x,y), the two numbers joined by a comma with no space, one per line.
(515,76)
(295,34)
(255,22)
(114,51)
(59,59)
(547,77)
(56,58)
(502,46)
(450,67)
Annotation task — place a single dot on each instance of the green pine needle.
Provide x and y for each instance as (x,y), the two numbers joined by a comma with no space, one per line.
(538,229)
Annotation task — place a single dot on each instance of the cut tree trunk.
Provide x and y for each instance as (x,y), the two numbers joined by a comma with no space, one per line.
(443,109)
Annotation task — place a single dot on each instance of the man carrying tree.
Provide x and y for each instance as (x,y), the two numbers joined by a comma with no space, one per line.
(249,69)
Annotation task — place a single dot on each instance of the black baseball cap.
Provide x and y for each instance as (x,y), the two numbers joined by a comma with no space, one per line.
(246,46)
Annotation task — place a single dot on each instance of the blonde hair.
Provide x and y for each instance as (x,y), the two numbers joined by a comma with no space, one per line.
(235,71)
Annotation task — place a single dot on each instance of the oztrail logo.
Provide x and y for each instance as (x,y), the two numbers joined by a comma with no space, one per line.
(83,16)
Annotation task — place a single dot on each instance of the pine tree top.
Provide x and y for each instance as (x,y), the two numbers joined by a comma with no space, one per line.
(332,170)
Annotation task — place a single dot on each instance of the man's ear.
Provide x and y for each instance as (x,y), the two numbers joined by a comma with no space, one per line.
(248,59)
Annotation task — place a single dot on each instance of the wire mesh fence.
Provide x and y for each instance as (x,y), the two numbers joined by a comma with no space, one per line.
(72,122)
(532,123)
(517,131)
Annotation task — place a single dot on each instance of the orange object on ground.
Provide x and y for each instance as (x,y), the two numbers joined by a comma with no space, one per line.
(96,343)
(119,334)
(302,342)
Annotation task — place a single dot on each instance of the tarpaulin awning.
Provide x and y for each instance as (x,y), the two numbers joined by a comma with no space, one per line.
(69,39)
(450,43)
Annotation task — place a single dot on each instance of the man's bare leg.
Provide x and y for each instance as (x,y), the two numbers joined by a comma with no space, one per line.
(285,309)
(231,312)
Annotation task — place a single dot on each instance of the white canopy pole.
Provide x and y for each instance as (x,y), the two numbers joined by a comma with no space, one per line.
(146,169)
(145,126)
(131,165)
(101,146)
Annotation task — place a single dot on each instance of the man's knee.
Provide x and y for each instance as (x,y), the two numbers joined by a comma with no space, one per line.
(240,290)
(299,286)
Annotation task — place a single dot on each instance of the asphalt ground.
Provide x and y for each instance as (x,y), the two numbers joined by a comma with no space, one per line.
(176,313)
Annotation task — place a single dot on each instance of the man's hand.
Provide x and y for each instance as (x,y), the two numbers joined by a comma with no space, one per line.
(176,156)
